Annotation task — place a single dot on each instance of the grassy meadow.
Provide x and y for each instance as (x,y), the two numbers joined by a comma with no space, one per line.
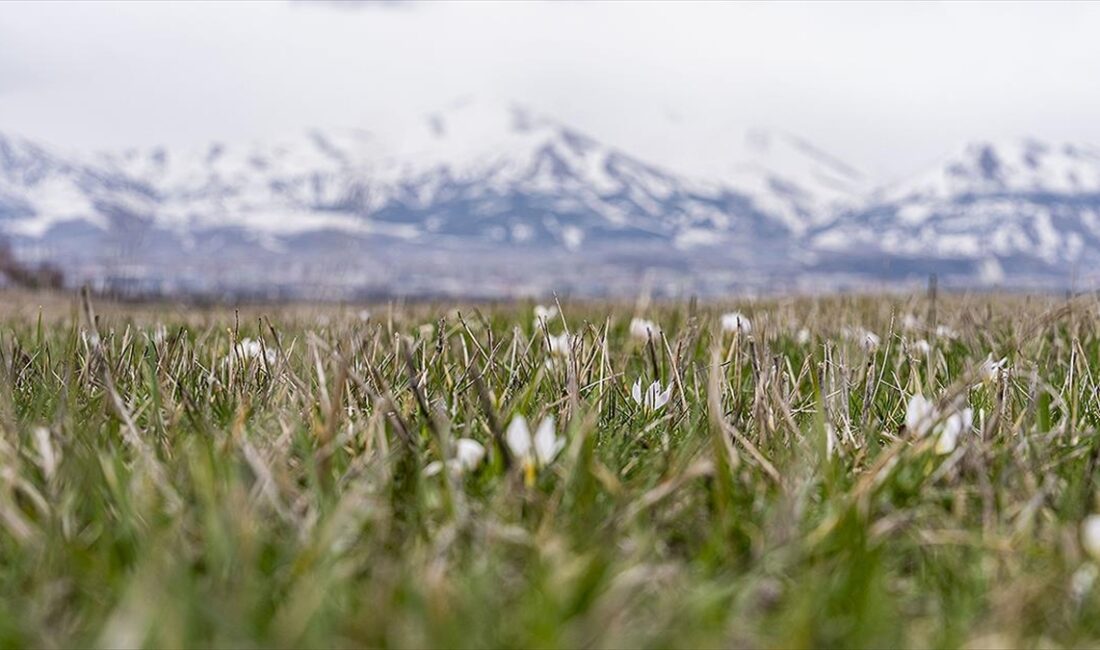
(475,475)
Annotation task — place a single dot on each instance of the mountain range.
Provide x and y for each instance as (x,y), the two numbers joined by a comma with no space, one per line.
(494,201)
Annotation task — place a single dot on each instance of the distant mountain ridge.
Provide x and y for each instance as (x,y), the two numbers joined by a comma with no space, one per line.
(496,201)
(1022,211)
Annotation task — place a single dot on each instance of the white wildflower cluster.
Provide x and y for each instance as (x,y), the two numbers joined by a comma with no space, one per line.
(533,452)
(653,398)
(922,418)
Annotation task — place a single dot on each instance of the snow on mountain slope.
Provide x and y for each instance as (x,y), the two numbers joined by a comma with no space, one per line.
(1012,167)
(796,183)
(481,190)
(293,185)
(787,176)
(475,170)
(477,195)
(1011,201)
(498,173)
(40,189)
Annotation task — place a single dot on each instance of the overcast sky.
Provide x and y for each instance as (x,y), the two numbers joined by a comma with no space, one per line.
(887,87)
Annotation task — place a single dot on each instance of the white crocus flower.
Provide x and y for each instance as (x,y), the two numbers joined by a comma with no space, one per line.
(945,332)
(252,349)
(642,329)
(869,341)
(533,452)
(468,454)
(561,350)
(49,454)
(920,413)
(990,370)
(735,321)
(1082,580)
(653,399)
(955,424)
(545,314)
(866,339)
(1090,536)
(561,346)
(160,334)
(90,339)
(920,346)
(923,418)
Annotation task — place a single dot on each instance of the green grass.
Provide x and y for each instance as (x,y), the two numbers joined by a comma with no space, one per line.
(158,488)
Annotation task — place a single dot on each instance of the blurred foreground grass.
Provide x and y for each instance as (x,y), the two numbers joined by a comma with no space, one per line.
(325,477)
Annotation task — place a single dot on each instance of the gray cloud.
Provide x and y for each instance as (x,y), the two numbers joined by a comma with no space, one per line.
(354,5)
(888,87)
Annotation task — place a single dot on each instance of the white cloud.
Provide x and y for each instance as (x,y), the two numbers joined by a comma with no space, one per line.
(886,86)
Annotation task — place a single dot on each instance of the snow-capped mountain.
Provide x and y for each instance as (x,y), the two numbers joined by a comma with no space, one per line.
(489,200)
(456,184)
(39,189)
(1016,208)
(505,177)
(790,178)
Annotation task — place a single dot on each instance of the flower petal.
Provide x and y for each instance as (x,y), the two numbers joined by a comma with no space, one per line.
(518,437)
(662,398)
(949,435)
(1090,535)
(919,415)
(651,394)
(469,453)
(546,443)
